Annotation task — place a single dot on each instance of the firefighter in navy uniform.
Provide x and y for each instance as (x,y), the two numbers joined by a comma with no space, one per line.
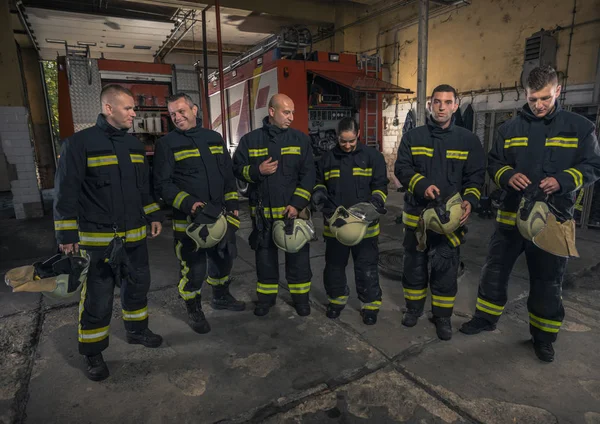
(349,174)
(436,161)
(556,151)
(102,206)
(193,173)
(277,163)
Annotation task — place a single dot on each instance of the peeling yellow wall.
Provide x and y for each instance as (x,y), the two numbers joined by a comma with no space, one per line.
(477,46)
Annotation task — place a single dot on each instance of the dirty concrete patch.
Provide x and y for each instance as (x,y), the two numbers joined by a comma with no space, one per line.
(591,418)
(245,363)
(382,397)
(17,335)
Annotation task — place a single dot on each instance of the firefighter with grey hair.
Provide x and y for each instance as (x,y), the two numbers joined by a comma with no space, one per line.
(193,174)
(539,159)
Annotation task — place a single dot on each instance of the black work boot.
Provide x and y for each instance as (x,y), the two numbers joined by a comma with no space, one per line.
(476,326)
(410,318)
(369,317)
(196,318)
(543,350)
(262,308)
(145,337)
(302,309)
(334,311)
(443,327)
(223,299)
(96,367)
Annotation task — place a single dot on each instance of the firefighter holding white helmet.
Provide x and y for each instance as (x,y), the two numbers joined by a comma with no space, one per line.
(351,191)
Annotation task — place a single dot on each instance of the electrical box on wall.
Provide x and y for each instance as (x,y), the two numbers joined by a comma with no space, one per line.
(540,49)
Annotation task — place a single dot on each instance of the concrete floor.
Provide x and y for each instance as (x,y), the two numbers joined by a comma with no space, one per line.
(286,369)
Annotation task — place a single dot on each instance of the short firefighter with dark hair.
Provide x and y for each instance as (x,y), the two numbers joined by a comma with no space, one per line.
(277,163)
(102,206)
(193,173)
(442,166)
(539,159)
(351,181)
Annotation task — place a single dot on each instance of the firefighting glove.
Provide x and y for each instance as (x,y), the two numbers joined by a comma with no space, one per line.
(379,205)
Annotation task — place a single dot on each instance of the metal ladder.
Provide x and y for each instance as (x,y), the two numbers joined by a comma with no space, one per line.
(372,66)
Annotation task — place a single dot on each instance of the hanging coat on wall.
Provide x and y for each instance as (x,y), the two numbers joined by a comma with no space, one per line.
(410,122)
(458,119)
(468,118)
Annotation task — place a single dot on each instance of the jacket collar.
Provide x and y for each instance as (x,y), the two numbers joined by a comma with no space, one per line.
(108,129)
(192,131)
(435,128)
(337,151)
(528,114)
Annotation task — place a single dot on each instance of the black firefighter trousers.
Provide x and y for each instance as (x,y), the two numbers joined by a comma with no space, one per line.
(366,257)
(96,304)
(546,272)
(444,260)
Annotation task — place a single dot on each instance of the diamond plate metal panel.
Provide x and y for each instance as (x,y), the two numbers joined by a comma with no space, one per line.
(85,97)
(187,80)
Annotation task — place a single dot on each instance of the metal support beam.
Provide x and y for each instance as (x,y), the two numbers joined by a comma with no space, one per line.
(422,61)
(596,98)
(205,69)
(221,79)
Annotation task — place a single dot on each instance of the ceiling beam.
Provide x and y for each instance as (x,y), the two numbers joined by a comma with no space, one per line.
(233,49)
(307,11)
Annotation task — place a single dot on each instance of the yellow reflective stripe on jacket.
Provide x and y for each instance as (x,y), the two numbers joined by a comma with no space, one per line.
(515,142)
(489,308)
(246,173)
(180,225)
(185,154)
(103,239)
(302,193)
(454,241)
(232,195)
(93,162)
(372,306)
(233,221)
(327,231)
(152,207)
(299,288)
(568,143)
(422,151)
(411,294)
(179,199)
(546,325)
(333,173)
(579,201)
(340,300)
(442,301)
(217,281)
(372,231)
(577,177)
(216,150)
(66,224)
(290,150)
(508,218)
(499,174)
(410,220)
(362,172)
(93,336)
(318,186)
(380,194)
(457,154)
(475,192)
(255,153)
(413,181)
(275,213)
(184,270)
(136,158)
(139,315)
(267,288)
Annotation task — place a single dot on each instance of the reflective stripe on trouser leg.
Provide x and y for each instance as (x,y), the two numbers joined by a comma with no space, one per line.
(267,273)
(366,258)
(546,311)
(95,306)
(298,274)
(415,276)
(134,291)
(192,269)
(219,267)
(334,273)
(444,272)
(504,249)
